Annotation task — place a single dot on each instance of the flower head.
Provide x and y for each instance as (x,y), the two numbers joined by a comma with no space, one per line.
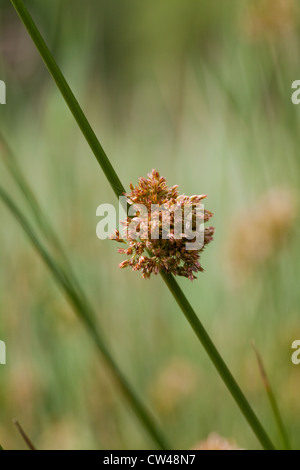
(265,19)
(163,229)
(174,384)
(216,442)
(261,231)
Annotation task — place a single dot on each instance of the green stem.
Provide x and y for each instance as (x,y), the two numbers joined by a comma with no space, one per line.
(278,419)
(86,314)
(274,406)
(119,189)
(77,296)
(218,361)
(43,223)
(69,98)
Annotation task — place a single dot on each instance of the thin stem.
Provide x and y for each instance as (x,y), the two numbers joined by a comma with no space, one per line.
(218,361)
(86,314)
(119,189)
(24,435)
(69,280)
(274,406)
(43,223)
(69,98)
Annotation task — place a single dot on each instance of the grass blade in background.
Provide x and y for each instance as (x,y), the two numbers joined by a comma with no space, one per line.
(86,314)
(218,362)
(68,275)
(118,190)
(23,434)
(70,99)
(274,406)
(43,223)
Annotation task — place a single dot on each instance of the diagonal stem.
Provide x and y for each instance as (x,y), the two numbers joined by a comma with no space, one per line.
(43,223)
(273,402)
(86,314)
(118,189)
(70,284)
(69,98)
(23,434)
(218,361)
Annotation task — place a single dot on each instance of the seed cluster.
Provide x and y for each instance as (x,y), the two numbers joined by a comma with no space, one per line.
(168,252)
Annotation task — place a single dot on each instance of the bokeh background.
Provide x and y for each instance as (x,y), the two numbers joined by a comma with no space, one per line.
(200,91)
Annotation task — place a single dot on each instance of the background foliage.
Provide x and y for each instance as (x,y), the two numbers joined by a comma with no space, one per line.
(201,91)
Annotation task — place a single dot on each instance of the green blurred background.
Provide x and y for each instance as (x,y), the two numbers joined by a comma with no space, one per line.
(200,91)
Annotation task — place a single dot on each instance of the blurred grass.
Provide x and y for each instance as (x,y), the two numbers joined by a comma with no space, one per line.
(183,88)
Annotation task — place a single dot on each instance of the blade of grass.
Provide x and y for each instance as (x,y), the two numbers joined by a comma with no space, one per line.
(218,362)
(11,164)
(70,99)
(24,435)
(118,190)
(45,226)
(86,314)
(43,223)
(274,406)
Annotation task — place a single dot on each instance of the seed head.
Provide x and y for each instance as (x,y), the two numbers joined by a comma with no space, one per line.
(261,231)
(167,250)
(216,442)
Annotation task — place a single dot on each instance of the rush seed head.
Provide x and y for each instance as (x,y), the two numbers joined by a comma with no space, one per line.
(167,251)
(216,442)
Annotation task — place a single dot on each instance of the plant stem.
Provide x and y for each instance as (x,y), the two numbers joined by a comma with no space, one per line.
(274,406)
(218,361)
(78,298)
(24,435)
(43,223)
(119,189)
(69,97)
(86,314)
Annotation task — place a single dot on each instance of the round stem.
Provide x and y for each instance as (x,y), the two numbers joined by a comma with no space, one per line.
(218,362)
(118,189)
